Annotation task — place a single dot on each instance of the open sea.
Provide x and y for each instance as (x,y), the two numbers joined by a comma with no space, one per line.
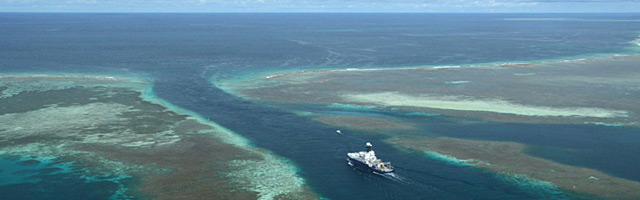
(182,53)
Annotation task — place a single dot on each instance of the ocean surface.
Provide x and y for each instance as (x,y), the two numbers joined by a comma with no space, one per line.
(184,52)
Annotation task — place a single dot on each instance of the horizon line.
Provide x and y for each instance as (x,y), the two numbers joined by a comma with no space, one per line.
(299,12)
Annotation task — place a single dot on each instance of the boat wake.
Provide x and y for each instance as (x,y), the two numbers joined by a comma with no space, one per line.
(391,176)
(394,177)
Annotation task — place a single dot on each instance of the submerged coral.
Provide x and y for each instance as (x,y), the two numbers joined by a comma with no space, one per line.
(114,128)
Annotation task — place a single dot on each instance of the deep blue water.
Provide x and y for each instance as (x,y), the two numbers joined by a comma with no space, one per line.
(182,51)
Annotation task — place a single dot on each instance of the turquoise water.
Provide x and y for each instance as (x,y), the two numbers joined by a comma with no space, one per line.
(46,178)
(184,51)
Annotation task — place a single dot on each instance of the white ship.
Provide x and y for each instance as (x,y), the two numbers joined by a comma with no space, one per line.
(368,161)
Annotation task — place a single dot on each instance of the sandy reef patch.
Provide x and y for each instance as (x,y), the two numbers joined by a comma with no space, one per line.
(483,105)
(603,90)
(509,159)
(113,127)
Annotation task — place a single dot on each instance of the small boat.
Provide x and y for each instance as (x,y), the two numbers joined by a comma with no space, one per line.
(368,161)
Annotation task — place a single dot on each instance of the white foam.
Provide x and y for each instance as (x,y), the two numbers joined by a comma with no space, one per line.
(610,124)
(300,42)
(636,41)
(457,82)
(450,159)
(524,74)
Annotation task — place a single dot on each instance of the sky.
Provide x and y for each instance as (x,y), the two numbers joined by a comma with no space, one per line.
(422,6)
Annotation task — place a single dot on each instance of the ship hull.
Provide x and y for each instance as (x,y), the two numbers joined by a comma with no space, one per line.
(365,167)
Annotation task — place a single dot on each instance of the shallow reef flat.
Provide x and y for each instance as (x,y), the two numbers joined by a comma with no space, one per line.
(510,160)
(399,103)
(600,90)
(113,128)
